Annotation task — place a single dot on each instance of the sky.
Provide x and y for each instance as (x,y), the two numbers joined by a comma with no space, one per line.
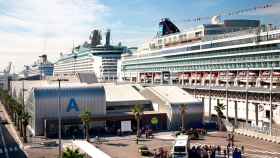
(30,28)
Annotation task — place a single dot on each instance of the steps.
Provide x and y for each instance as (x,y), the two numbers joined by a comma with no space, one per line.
(148,94)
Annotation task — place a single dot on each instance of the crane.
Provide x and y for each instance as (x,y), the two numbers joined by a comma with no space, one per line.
(7,70)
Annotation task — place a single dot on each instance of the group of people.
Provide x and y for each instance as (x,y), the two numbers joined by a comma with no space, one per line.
(206,151)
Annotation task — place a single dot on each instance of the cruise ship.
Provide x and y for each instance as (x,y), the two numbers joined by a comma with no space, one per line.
(40,69)
(236,51)
(99,60)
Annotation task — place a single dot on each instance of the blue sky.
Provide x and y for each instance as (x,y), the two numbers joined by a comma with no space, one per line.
(29,28)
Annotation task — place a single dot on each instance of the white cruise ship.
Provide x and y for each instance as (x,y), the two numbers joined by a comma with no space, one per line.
(93,58)
(237,53)
(239,47)
(40,69)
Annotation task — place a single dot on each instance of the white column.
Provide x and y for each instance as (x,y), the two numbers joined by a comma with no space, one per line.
(246,97)
(210,95)
(235,113)
(227,95)
(256,113)
(270,102)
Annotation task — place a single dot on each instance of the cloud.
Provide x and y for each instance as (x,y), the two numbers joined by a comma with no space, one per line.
(31,27)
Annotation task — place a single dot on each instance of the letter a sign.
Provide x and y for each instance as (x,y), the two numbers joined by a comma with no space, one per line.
(72,105)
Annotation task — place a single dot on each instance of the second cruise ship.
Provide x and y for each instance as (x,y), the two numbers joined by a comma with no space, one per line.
(95,59)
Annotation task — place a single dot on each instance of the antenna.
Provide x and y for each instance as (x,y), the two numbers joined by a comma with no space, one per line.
(233,13)
(73,46)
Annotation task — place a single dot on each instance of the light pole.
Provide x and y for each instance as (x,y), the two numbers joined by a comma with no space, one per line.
(210,81)
(59,119)
(75,58)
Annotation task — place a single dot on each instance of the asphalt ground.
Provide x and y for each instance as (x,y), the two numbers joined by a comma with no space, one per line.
(8,146)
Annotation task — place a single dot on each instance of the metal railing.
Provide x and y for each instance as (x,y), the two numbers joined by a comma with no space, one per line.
(263,129)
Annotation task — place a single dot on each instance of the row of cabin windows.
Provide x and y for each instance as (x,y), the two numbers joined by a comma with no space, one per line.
(208,54)
(219,44)
(213,66)
(242,59)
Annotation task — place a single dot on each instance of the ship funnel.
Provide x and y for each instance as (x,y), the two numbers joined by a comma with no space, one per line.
(166,27)
(95,38)
(108,33)
(44,58)
(216,19)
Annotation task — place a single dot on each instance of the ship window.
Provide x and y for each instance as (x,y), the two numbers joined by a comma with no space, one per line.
(198,34)
(174,39)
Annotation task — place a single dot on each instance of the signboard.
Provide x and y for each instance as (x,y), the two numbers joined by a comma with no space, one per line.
(126,126)
(154,121)
(72,105)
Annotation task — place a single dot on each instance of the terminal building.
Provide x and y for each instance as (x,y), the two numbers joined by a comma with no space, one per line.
(110,105)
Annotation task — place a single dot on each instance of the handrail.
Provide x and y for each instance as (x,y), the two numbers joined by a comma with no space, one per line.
(213,37)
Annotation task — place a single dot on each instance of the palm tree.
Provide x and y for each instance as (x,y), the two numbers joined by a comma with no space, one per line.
(86,119)
(183,110)
(137,111)
(68,153)
(25,121)
(219,109)
(19,112)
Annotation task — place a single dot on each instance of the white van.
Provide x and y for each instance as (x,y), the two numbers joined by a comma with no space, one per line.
(180,147)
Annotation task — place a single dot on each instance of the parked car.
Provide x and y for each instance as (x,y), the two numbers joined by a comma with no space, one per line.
(144,150)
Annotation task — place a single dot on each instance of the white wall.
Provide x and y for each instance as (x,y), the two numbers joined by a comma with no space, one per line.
(97,66)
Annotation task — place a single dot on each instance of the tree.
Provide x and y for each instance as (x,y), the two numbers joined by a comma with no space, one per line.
(86,119)
(183,110)
(68,153)
(19,112)
(137,111)
(219,109)
(25,121)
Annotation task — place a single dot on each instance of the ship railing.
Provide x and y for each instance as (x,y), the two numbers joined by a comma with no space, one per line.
(255,31)
(249,31)
(231,34)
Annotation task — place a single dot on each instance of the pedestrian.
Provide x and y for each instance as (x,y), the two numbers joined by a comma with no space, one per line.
(242,149)
(225,153)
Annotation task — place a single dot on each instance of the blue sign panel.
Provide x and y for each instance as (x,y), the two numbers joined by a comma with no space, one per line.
(72,105)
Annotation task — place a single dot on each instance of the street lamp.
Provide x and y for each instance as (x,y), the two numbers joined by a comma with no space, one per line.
(75,58)
(59,118)
(210,81)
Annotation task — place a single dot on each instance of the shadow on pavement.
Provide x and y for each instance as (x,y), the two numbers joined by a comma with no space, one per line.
(13,149)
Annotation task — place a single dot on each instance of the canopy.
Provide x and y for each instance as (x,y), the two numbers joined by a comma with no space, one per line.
(90,149)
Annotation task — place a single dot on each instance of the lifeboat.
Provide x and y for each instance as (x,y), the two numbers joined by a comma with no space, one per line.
(223,76)
(252,76)
(214,75)
(265,77)
(157,76)
(183,75)
(143,76)
(196,75)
